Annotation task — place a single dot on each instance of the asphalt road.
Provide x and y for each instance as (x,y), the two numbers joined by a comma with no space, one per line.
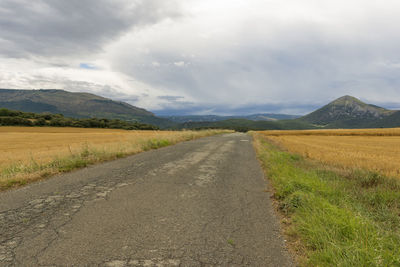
(198,203)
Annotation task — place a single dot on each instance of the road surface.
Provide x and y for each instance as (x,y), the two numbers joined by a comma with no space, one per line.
(198,203)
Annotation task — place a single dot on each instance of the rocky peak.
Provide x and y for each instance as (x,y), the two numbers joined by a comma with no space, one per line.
(346,108)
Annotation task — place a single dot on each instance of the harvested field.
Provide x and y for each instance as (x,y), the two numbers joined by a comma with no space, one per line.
(338,132)
(375,150)
(29,153)
(332,216)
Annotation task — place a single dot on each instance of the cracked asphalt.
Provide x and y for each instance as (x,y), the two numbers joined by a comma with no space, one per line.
(198,203)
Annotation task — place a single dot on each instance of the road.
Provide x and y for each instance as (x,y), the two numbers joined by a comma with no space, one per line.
(198,203)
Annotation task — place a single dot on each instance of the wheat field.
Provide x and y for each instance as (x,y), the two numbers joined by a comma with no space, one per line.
(29,153)
(375,150)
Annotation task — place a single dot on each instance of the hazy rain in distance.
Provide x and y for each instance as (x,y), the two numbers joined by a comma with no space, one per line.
(206,56)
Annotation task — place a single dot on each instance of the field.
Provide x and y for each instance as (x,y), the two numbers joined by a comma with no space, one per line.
(338,193)
(31,153)
(375,150)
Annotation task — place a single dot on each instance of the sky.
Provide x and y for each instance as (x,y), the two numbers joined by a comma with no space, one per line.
(227,57)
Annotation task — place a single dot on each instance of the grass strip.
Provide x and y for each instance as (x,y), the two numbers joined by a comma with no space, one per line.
(333,217)
(20,174)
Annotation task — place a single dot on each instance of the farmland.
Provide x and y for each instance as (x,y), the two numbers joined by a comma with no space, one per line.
(338,193)
(31,153)
(375,150)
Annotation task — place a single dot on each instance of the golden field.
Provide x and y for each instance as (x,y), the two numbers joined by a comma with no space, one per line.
(29,153)
(371,149)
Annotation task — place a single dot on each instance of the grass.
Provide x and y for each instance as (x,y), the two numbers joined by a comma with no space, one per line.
(333,217)
(30,154)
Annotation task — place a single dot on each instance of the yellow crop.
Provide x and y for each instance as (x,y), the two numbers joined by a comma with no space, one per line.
(29,153)
(372,149)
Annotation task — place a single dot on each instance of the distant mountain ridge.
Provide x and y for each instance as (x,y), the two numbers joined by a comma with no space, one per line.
(213,118)
(344,112)
(76,105)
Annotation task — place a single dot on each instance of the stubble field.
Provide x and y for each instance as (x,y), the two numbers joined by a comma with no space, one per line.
(31,153)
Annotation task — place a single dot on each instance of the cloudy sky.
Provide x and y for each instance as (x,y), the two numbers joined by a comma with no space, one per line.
(205,56)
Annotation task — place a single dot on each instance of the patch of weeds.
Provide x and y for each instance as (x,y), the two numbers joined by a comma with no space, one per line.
(295,157)
(12,183)
(154,144)
(71,164)
(85,151)
(45,174)
(293,202)
(368,179)
(119,155)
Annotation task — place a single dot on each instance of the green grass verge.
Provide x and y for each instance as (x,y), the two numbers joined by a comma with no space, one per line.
(334,218)
(154,144)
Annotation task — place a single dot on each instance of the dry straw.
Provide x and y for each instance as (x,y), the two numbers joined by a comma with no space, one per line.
(371,149)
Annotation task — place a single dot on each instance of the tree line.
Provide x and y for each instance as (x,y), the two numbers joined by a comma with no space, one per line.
(19,118)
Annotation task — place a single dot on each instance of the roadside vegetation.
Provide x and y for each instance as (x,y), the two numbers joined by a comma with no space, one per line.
(32,153)
(19,118)
(333,215)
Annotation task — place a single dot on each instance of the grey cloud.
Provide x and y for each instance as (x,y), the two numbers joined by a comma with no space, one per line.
(305,67)
(47,27)
(177,102)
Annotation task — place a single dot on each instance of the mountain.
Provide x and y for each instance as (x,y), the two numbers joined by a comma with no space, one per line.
(347,112)
(194,118)
(212,118)
(270,117)
(75,105)
(390,121)
(246,125)
(344,112)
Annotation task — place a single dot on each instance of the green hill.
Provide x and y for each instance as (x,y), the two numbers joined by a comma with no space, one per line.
(75,105)
(349,112)
(390,121)
(345,112)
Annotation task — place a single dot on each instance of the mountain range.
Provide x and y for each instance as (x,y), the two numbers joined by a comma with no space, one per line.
(76,105)
(210,118)
(86,105)
(344,112)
